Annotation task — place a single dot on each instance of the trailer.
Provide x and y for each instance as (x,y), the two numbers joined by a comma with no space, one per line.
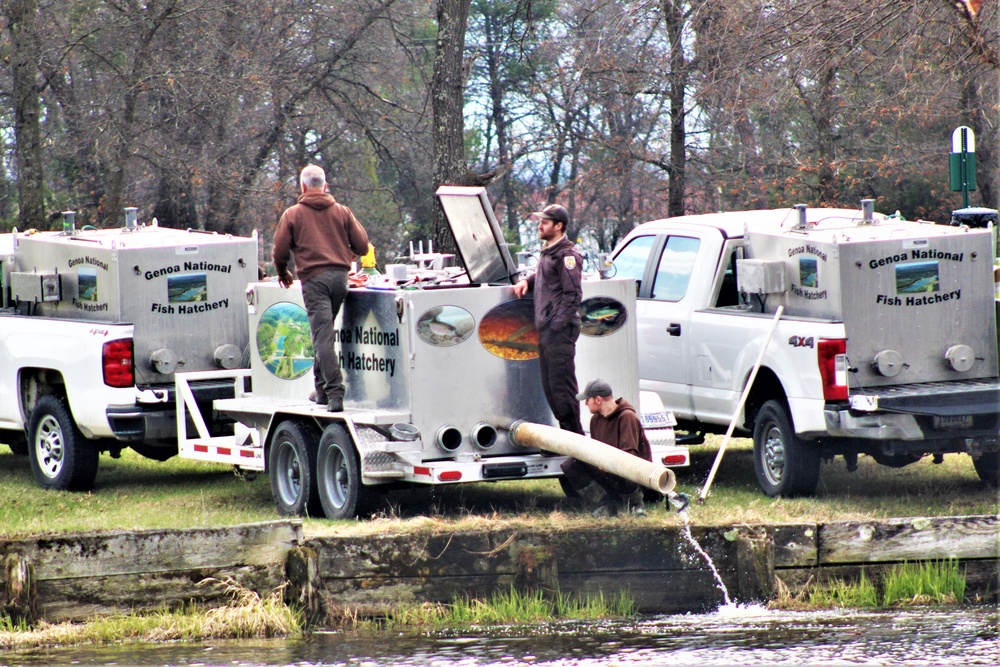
(439,362)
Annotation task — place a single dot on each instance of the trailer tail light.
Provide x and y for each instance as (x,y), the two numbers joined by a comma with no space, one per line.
(450,476)
(116,361)
(832,353)
(675,460)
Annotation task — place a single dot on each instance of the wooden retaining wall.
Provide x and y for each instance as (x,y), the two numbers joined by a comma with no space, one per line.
(74,577)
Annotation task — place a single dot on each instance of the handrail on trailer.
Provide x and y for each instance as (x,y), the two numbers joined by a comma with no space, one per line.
(228,449)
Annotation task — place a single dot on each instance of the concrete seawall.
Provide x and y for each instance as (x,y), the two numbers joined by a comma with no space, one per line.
(76,577)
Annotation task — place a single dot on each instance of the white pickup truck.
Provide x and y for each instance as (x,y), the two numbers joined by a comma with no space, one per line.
(886,343)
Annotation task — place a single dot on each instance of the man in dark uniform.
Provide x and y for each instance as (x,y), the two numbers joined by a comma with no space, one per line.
(324,237)
(615,423)
(556,286)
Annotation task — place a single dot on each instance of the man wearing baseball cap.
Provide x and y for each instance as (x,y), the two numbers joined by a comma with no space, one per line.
(556,286)
(615,423)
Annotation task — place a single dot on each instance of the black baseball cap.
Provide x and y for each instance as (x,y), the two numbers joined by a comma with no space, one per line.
(555,212)
(595,388)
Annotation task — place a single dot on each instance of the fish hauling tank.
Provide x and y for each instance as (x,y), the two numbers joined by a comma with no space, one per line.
(182,289)
(440,359)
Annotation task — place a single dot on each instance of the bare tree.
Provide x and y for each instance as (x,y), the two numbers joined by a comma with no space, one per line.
(20,18)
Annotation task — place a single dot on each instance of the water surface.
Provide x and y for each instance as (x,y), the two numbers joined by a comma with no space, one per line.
(730,636)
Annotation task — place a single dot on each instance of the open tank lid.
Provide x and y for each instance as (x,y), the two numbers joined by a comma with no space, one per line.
(477,234)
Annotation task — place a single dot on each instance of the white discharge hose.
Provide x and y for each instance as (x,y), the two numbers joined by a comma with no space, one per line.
(594,452)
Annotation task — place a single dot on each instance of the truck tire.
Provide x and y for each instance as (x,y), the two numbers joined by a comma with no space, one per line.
(988,468)
(785,465)
(291,464)
(61,458)
(338,472)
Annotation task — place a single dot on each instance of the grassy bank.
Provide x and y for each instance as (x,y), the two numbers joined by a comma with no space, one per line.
(247,615)
(136,493)
(250,616)
(929,582)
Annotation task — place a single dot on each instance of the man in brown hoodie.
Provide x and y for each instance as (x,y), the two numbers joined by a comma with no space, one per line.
(324,237)
(615,423)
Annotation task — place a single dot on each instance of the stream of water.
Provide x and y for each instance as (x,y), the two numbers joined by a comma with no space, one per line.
(747,636)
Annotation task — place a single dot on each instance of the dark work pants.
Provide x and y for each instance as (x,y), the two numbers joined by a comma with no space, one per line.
(579,474)
(557,359)
(323,295)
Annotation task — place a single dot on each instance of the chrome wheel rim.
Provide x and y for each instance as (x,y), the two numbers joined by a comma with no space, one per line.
(773,455)
(289,474)
(336,477)
(50,447)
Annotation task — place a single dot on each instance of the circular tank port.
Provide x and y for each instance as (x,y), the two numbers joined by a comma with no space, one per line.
(483,435)
(448,438)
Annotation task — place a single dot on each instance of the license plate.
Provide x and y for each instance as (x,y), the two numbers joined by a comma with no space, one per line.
(953,422)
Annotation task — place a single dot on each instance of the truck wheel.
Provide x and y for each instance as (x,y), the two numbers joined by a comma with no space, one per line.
(291,463)
(785,465)
(988,468)
(61,458)
(339,474)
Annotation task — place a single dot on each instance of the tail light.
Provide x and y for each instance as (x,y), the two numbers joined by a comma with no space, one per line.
(832,354)
(116,361)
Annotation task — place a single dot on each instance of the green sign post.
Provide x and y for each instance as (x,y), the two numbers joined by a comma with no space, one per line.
(962,162)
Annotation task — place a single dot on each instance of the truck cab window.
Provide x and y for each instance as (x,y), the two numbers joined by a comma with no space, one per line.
(728,292)
(630,262)
(674,271)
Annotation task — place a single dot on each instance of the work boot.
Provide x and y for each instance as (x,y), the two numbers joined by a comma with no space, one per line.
(592,495)
(635,504)
(608,507)
(314,397)
(335,405)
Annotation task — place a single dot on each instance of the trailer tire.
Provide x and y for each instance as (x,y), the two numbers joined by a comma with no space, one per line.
(291,464)
(785,465)
(338,472)
(988,468)
(61,458)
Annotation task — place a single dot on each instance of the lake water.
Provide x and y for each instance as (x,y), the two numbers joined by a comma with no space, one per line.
(730,636)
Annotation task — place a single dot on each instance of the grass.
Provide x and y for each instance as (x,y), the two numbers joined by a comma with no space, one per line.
(921,583)
(508,608)
(930,582)
(134,493)
(247,615)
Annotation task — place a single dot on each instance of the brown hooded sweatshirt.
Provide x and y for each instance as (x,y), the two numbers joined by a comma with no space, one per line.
(321,233)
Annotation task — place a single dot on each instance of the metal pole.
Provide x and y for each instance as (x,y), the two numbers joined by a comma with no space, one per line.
(739,406)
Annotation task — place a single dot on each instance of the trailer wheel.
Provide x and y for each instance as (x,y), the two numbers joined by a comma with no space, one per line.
(339,475)
(291,463)
(785,465)
(61,458)
(988,468)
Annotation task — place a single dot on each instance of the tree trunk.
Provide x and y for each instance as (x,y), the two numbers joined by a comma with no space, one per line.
(447,98)
(27,118)
(674,17)
(987,134)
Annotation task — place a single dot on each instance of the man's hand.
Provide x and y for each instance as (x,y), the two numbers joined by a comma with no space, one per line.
(286,279)
(520,288)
